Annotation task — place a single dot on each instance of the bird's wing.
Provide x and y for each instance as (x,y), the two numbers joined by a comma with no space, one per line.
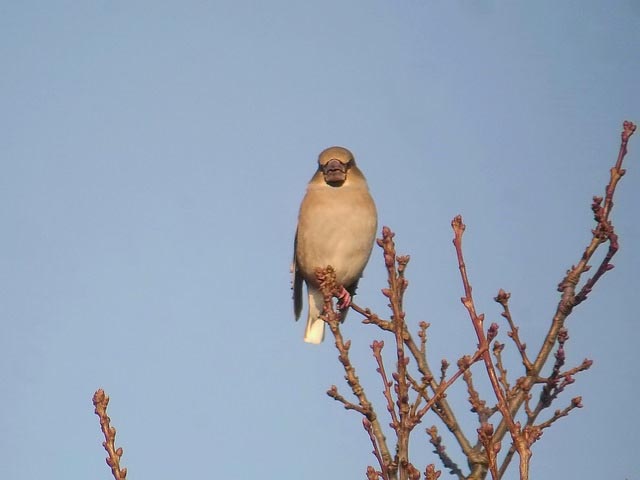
(297,281)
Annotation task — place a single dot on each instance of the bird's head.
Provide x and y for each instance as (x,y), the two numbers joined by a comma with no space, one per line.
(335,163)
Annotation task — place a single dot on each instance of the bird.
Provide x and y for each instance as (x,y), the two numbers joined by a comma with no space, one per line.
(337,224)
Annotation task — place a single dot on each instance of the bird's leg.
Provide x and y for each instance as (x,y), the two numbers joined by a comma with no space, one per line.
(344,299)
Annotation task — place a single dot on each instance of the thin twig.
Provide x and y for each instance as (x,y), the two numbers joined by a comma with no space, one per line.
(397,285)
(575,403)
(377,353)
(100,402)
(477,321)
(440,450)
(503,299)
(384,473)
(478,405)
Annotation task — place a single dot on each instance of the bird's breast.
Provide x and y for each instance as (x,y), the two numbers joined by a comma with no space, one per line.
(336,227)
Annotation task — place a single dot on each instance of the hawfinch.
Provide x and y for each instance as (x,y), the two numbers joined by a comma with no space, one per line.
(336,226)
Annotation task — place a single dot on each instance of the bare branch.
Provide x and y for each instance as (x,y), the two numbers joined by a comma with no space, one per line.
(477,321)
(567,287)
(100,402)
(503,299)
(440,450)
(327,280)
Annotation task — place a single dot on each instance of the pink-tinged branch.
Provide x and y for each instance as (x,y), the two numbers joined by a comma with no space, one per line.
(603,232)
(503,299)
(100,402)
(477,321)
(327,280)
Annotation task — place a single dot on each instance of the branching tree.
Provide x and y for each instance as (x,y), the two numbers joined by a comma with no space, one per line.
(409,393)
(412,389)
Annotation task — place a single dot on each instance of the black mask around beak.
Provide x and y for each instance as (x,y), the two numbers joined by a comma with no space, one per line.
(335,172)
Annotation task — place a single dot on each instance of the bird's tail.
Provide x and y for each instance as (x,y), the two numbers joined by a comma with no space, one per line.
(314,333)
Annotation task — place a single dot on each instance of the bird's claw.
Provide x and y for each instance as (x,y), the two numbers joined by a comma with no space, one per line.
(344,299)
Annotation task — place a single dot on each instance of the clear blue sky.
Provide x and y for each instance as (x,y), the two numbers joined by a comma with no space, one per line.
(154,155)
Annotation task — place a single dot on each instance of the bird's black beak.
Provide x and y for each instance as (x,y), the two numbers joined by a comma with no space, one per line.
(335,172)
